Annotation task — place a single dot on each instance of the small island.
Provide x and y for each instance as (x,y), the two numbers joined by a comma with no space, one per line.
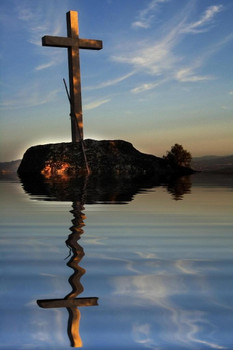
(111,158)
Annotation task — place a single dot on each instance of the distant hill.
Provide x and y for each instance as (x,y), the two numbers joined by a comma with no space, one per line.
(216,164)
(9,167)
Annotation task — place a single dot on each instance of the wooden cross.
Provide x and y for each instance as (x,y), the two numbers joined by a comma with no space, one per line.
(73,43)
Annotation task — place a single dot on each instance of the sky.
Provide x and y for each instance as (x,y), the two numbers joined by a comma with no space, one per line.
(164,75)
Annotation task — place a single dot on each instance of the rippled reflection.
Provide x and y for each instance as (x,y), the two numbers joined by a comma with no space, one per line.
(179,187)
(70,302)
(81,191)
(104,190)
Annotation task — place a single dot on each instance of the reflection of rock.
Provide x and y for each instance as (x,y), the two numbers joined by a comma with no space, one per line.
(104,190)
(105,158)
(96,190)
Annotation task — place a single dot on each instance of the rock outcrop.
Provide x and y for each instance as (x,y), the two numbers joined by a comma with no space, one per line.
(107,158)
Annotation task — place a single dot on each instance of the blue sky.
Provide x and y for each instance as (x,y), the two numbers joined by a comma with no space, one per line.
(164,76)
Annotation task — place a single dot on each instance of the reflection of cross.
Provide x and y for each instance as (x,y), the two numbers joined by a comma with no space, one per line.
(74,314)
(73,43)
(70,302)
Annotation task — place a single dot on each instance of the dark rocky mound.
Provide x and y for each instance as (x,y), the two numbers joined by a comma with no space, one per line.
(108,158)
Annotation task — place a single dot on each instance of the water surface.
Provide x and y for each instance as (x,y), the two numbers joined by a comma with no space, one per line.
(159,260)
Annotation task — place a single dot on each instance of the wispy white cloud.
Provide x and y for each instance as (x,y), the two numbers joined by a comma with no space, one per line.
(45,65)
(29,97)
(230,92)
(203,23)
(38,22)
(53,59)
(159,57)
(95,104)
(154,58)
(146,87)
(110,82)
(146,15)
(143,87)
(188,74)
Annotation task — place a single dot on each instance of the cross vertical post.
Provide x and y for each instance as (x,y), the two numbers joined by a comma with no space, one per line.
(73,43)
(74,78)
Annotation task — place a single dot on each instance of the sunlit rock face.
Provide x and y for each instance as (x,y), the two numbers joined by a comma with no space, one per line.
(105,158)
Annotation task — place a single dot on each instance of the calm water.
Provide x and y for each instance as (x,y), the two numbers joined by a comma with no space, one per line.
(159,260)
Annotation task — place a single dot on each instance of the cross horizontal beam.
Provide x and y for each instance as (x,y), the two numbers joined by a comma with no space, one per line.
(59,41)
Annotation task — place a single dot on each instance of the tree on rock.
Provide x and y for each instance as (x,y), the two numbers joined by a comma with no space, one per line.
(178,155)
